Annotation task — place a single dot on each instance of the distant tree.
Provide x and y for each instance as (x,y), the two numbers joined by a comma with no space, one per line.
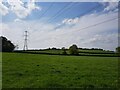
(118,49)
(64,51)
(96,49)
(53,48)
(73,50)
(6,45)
(0,44)
(48,48)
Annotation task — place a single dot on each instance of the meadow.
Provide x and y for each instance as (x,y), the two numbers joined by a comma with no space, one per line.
(21,70)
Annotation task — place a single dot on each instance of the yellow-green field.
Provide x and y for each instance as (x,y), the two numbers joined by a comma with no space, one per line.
(54,71)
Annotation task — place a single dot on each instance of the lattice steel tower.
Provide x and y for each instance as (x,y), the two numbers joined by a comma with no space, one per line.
(25,41)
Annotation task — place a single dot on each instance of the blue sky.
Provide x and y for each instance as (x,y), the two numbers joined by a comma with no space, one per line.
(69,10)
(60,24)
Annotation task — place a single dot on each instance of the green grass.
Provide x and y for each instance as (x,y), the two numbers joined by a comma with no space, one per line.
(0,70)
(45,71)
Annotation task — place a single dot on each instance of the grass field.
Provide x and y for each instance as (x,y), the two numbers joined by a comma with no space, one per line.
(0,70)
(54,71)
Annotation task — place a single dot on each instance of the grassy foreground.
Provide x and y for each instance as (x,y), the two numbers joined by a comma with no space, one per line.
(0,70)
(51,71)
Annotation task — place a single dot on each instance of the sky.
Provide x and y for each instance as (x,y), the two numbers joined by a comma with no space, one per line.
(60,24)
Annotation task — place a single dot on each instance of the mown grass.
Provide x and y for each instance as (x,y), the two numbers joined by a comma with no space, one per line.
(53,71)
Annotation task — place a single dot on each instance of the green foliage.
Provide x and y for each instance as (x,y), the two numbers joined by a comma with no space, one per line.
(49,71)
(64,51)
(118,49)
(81,52)
(73,50)
(6,45)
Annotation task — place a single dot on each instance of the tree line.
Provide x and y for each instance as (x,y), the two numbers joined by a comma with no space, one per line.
(7,46)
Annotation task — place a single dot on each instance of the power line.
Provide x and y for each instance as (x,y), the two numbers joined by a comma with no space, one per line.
(61,10)
(57,12)
(100,23)
(91,9)
(88,11)
(68,8)
(90,26)
(51,5)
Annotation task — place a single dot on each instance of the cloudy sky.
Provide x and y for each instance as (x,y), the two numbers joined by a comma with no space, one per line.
(60,24)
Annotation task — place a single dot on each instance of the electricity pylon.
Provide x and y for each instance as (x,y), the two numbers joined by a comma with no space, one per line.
(25,41)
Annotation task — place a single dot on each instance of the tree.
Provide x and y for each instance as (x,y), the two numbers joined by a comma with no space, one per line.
(6,45)
(118,49)
(64,51)
(73,50)
(53,48)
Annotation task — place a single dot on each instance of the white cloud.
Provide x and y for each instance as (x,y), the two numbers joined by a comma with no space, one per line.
(3,9)
(111,6)
(92,19)
(70,21)
(43,35)
(110,0)
(99,40)
(18,7)
(17,20)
